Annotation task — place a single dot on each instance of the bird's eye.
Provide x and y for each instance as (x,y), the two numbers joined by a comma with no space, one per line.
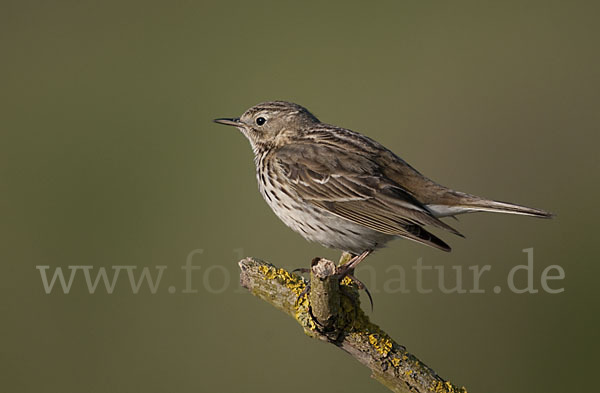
(260,121)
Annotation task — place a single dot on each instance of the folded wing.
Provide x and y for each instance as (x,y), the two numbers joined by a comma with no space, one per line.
(352,186)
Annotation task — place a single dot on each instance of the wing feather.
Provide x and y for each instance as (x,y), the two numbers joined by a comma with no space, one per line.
(353,187)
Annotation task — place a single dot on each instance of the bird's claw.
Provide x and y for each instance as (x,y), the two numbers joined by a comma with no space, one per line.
(361,286)
(305,291)
(301,270)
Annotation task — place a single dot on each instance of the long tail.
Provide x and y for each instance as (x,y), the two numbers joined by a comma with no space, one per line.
(457,203)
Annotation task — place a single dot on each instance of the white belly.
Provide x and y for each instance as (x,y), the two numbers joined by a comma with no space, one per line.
(319,225)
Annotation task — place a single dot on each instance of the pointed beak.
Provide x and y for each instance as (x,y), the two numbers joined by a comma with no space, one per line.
(229,121)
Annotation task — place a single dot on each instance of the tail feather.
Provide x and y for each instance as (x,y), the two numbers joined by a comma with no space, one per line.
(464,203)
(510,208)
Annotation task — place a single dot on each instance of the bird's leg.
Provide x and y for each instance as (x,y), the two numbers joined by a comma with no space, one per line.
(345,257)
(347,270)
(360,285)
(347,267)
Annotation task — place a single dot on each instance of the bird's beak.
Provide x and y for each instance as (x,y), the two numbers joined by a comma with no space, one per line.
(229,121)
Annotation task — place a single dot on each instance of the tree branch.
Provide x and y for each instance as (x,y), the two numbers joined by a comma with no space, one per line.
(331,312)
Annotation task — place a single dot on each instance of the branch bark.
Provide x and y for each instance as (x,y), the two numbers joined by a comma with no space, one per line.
(331,312)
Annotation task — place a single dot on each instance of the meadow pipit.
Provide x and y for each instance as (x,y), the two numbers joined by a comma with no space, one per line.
(344,190)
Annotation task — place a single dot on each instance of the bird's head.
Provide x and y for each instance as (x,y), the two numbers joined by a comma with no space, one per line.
(271,124)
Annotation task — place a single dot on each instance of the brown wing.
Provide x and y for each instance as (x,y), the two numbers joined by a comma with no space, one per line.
(352,186)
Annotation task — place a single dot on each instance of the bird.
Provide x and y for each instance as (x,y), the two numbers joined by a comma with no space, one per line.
(344,190)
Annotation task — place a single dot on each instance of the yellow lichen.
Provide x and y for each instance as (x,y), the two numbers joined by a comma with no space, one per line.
(291,281)
(395,362)
(446,387)
(382,344)
(302,314)
(296,284)
(440,387)
(362,329)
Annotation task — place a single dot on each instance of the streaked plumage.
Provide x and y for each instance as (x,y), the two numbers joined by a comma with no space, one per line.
(344,190)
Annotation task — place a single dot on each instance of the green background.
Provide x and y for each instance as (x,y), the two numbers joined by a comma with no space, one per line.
(108,157)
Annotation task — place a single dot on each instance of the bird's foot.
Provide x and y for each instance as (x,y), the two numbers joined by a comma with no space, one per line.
(304,292)
(349,266)
(343,271)
(347,270)
(360,285)
(301,270)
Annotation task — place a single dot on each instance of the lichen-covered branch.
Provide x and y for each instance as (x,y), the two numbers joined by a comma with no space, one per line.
(331,312)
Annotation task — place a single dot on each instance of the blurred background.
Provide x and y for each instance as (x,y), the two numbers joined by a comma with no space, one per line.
(108,157)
